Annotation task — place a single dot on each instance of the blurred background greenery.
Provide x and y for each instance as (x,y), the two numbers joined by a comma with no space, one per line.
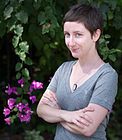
(32,46)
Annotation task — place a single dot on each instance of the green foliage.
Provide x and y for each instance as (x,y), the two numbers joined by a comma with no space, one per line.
(33,135)
(105,51)
(33,30)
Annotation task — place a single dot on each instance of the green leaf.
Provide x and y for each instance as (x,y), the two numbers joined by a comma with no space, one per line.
(18,99)
(45,28)
(24,46)
(13,117)
(115,51)
(52,45)
(11,23)
(18,30)
(52,32)
(18,66)
(112,57)
(24,101)
(113,4)
(107,36)
(102,40)
(8,11)
(15,109)
(25,72)
(22,16)
(49,11)
(18,75)
(110,15)
(15,41)
(36,1)
(28,61)
(21,1)
(22,56)
(37,4)
(41,18)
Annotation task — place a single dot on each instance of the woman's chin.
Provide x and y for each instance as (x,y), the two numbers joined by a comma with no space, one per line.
(75,55)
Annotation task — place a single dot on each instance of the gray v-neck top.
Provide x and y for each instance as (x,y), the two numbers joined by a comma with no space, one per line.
(100,88)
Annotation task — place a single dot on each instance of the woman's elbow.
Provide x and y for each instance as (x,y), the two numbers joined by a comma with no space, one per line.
(89,132)
(38,111)
(41,112)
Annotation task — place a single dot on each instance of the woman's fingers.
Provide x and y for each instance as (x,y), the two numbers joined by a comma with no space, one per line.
(80,119)
(86,117)
(87,109)
(79,124)
(84,122)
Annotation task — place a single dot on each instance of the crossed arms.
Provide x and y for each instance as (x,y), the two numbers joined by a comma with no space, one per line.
(84,121)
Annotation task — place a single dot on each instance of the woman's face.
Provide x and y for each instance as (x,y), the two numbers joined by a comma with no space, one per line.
(78,39)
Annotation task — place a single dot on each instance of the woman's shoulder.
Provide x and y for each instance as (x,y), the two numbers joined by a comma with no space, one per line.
(107,69)
(67,64)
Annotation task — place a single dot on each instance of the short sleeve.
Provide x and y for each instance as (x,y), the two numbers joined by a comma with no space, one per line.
(106,89)
(54,81)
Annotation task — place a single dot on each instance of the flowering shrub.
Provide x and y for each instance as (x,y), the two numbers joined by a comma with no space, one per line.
(19,101)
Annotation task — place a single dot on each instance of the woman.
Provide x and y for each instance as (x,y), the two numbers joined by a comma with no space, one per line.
(80,96)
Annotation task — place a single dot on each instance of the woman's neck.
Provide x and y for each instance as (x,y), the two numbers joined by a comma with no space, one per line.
(90,63)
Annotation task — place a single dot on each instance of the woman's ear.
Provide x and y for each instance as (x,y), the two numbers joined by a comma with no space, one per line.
(96,35)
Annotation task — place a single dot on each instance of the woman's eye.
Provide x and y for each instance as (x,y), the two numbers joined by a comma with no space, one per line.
(78,35)
(67,35)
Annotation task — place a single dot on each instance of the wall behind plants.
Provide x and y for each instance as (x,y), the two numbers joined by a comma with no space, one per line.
(32,46)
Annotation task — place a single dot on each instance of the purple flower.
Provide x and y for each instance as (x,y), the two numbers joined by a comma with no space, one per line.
(20,106)
(8,120)
(21,82)
(19,109)
(36,85)
(25,115)
(11,102)
(11,90)
(33,99)
(6,111)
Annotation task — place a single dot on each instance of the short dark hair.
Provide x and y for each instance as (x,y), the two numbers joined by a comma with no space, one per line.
(89,15)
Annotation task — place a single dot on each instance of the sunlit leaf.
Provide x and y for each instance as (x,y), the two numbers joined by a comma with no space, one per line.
(8,11)
(22,16)
(15,41)
(18,30)
(24,46)
(112,57)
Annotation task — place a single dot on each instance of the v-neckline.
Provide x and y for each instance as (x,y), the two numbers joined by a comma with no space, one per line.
(85,82)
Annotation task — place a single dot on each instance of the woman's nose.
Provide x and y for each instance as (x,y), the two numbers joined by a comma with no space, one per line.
(71,42)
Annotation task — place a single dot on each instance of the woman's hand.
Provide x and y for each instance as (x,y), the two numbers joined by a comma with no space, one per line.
(78,117)
(72,127)
(78,127)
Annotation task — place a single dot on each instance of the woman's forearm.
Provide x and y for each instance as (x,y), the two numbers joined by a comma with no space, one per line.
(49,114)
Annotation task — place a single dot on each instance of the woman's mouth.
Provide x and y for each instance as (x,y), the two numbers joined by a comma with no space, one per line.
(74,50)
